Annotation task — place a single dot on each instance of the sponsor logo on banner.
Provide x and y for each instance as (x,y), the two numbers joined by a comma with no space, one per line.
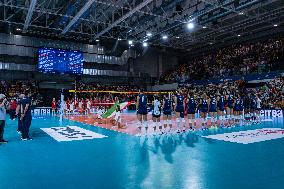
(271,113)
(71,133)
(250,136)
(41,111)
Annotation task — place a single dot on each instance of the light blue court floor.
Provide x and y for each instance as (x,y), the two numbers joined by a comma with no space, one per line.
(188,160)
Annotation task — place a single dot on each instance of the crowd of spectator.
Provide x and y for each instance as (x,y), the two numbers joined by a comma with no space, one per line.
(14,89)
(105,96)
(271,93)
(238,59)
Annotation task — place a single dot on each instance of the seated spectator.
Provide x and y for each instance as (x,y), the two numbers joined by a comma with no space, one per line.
(235,60)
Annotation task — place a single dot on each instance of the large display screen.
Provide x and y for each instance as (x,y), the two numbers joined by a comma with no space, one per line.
(60,61)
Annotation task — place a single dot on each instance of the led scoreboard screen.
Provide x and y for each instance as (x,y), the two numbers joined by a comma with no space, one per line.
(60,61)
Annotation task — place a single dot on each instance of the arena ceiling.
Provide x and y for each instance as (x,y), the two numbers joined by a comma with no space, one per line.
(155,22)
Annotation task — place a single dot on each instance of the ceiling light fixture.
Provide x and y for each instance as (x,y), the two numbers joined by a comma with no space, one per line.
(149,34)
(164,37)
(145,44)
(190,25)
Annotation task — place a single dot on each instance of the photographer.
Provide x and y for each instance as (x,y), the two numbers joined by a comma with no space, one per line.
(13,106)
(4,105)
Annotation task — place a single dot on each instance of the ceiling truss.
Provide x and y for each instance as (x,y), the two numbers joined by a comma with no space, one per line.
(86,20)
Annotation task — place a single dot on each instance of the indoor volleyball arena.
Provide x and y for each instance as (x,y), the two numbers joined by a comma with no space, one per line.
(141,94)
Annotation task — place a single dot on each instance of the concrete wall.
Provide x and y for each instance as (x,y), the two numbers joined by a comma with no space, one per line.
(155,62)
(28,46)
(164,87)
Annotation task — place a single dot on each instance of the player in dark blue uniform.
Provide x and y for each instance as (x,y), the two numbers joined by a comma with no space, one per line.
(213,110)
(237,109)
(221,108)
(167,112)
(179,109)
(230,106)
(142,111)
(191,110)
(203,107)
(253,107)
(241,110)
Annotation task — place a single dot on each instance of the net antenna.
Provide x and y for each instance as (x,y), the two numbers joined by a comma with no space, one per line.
(61,106)
(75,94)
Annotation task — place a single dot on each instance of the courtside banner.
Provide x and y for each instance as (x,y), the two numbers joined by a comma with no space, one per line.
(41,111)
(271,113)
(71,133)
(250,136)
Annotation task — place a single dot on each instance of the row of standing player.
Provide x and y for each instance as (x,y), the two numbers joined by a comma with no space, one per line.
(220,107)
(87,104)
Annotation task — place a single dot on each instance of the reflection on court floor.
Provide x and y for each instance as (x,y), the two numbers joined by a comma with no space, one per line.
(169,161)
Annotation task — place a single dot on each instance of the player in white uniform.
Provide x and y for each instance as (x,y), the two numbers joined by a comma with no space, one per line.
(156,113)
(65,107)
(258,108)
(88,105)
(117,118)
(81,104)
(100,113)
(72,107)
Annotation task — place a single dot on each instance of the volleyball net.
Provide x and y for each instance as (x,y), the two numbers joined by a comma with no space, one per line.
(119,92)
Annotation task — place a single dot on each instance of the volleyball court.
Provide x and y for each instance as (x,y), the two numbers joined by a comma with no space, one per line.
(120,115)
